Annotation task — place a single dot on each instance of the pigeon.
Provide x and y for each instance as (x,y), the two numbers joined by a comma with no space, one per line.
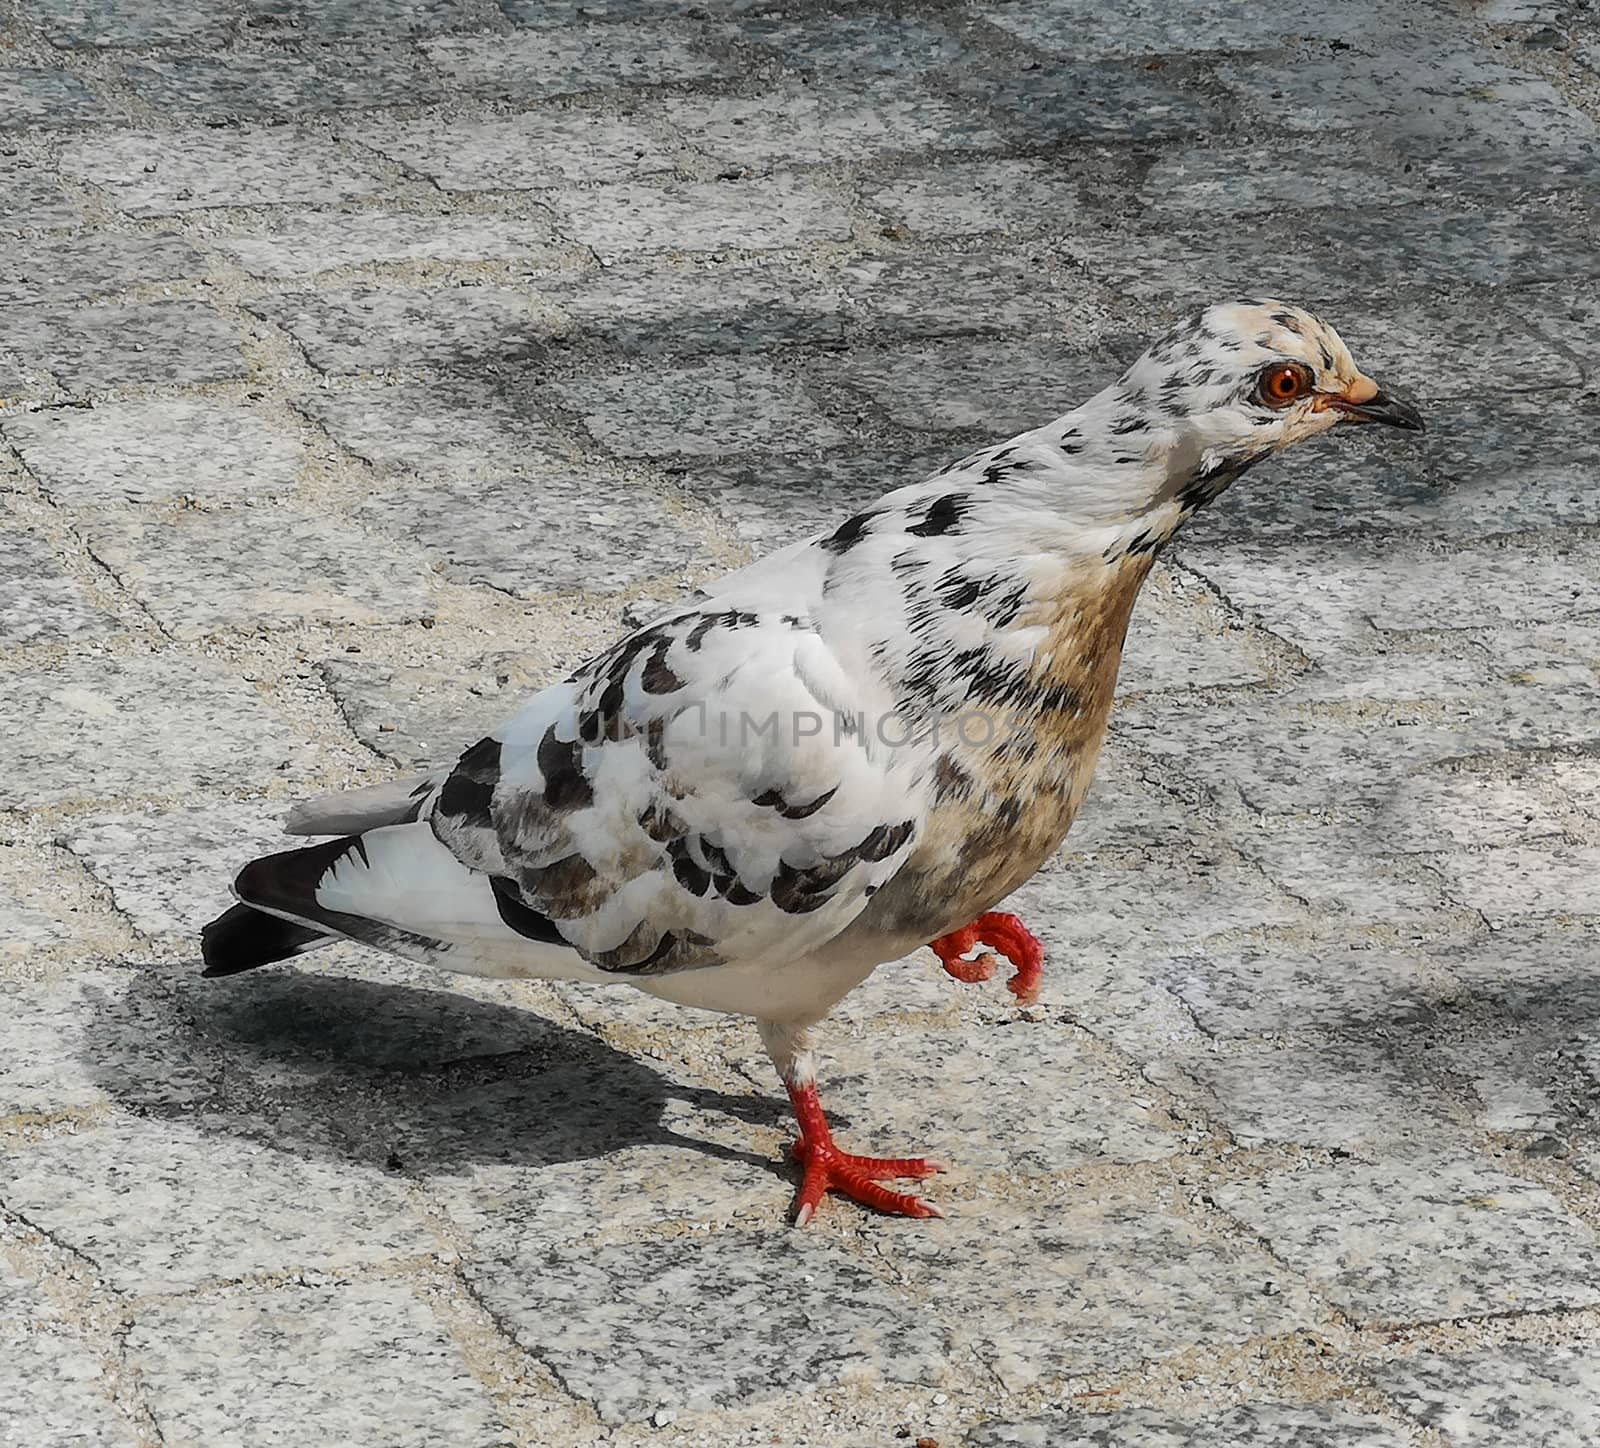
(857,746)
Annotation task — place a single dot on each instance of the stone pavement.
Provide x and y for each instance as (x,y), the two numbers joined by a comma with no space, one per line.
(364,362)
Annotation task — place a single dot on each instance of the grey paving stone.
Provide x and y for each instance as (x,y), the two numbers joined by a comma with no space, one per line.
(178,1206)
(1254,1425)
(838,123)
(49,909)
(168,871)
(34,97)
(264,87)
(89,23)
(31,197)
(1019,1099)
(376,329)
(1097,1287)
(39,601)
(1251,179)
(974,198)
(512,153)
(1511,468)
(1079,29)
(998,387)
(266,567)
(995,291)
(305,243)
(88,1040)
(1181,638)
(314,1359)
(1526,880)
(549,14)
(420,714)
(155,449)
(1349,871)
(162,173)
(1422,1239)
(1076,101)
(853,45)
(445,425)
(284,87)
(784,211)
(1326,597)
(699,306)
(1335,987)
(626,1327)
(722,405)
(158,724)
(538,532)
(358,20)
(1127,811)
(1513,1393)
(59,1392)
(64,269)
(531,65)
(1336,1094)
(113,345)
(1416,97)
(12,381)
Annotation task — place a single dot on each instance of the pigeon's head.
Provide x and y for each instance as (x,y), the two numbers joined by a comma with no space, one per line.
(1244,380)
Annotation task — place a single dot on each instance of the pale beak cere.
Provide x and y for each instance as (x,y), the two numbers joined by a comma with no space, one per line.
(1364,401)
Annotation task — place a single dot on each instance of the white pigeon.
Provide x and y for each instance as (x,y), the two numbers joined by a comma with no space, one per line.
(856,746)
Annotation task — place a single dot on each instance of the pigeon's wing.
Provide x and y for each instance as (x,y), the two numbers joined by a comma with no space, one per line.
(713,788)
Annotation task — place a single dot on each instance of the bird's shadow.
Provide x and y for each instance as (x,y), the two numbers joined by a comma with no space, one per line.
(421,1080)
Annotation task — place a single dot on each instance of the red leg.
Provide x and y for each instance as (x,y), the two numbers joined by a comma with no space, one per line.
(857,1177)
(1005,934)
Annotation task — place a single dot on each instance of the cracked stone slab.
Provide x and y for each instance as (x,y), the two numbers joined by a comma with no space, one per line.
(39,601)
(58,1387)
(1244,179)
(531,66)
(854,45)
(111,345)
(88,1040)
(688,216)
(975,198)
(1254,1425)
(1515,1393)
(998,387)
(303,244)
(174,1206)
(71,268)
(629,1326)
(1019,1098)
(1526,880)
(721,405)
(163,173)
(156,449)
(233,86)
(1181,637)
(995,291)
(1335,1094)
(153,724)
(72,24)
(1421,1239)
(201,572)
(539,532)
(1324,597)
(521,152)
(49,909)
(1338,987)
(258,1366)
(378,329)
(43,98)
(168,871)
(826,126)
(1091,1287)
(699,306)
(448,425)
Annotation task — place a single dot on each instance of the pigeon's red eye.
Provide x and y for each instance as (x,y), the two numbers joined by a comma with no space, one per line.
(1283,383)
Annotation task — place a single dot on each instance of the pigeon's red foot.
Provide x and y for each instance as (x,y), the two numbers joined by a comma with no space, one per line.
(857,1177)
(1005,934)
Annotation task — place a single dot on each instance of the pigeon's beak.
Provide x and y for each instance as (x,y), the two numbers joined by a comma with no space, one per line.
(1364,401)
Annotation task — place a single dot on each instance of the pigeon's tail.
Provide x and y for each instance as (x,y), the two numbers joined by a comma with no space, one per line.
(243,938)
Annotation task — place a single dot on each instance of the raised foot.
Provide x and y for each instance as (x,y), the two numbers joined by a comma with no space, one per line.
(1004,934)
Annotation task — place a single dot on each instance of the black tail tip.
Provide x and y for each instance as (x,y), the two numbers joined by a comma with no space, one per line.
(242,938)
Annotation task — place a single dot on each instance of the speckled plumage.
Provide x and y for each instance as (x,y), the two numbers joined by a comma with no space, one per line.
(859,744)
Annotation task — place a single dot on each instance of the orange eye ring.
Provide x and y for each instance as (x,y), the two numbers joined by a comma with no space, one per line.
(1283,383)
